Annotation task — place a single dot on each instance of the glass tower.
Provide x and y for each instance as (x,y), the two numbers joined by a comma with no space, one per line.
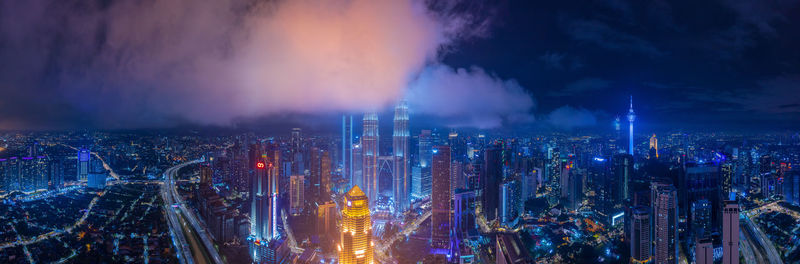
(369,148)
(400,150)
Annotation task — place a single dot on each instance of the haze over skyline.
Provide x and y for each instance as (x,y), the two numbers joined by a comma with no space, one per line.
(508,65)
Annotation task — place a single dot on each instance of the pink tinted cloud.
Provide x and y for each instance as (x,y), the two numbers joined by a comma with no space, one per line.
(148,63)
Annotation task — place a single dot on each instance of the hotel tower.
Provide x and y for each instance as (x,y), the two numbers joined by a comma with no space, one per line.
(266,244)
(356,246)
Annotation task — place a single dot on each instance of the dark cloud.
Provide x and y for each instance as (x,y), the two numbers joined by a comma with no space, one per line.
(560,61)
(789,106)
(582,87)
(601,34)
(761,16)
(689,63)
(568,117)
(138,64)
(553,60)
(775,95)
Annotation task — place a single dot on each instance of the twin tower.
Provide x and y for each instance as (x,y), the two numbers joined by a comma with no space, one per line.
(361,160)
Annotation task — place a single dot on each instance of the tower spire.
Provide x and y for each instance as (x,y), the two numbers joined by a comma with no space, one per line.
(631,118)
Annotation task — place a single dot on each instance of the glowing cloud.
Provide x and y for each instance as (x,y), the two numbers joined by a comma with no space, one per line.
(133,63)
(470,98)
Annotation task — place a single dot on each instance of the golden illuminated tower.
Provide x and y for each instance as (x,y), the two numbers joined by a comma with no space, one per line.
(654,146)
(356,237)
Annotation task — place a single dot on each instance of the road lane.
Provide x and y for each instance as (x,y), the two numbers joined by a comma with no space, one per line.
(185,224)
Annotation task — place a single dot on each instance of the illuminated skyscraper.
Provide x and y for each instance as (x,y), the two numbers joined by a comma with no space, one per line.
(425,155)
(571,188)
(325,177)
(510,201)
(299,160)
(33,173)
(297,140)
(96,181)
(56,174)
(401,163)
(369,148)
(84,156)
(730,233)
(491,177)
(315,174)
(440,200)
(457,179)
(266,244)
(326,221)
(623,173)
(631,118)
(425,148)
(726,176)
(701,217)
(205,175)
(358,163)
(296,199)
(530,183)
(701,181)
(640,235)
(554,166)
(347,148)
(416,183)
(464,203)
(664,200)
(618,143)
(356,246)
(653,147)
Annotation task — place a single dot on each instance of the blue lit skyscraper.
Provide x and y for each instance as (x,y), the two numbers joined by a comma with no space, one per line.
(347,148)
(369,148)
(510,202)
(262,209)
(401,162)
(425,155)
(266,244)
(416,182)
(84,155)
(631,118)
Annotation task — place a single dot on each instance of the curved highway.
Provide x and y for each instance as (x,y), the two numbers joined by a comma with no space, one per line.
(771,254)
(195,245)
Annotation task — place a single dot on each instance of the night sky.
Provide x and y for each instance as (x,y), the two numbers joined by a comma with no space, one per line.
(561,65)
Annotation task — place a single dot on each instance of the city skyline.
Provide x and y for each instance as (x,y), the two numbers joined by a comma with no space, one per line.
(480,185)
